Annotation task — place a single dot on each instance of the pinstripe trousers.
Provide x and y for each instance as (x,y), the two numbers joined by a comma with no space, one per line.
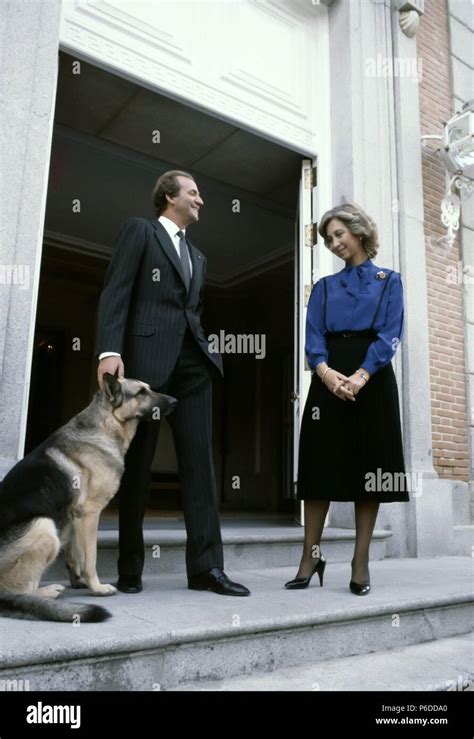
(191,424)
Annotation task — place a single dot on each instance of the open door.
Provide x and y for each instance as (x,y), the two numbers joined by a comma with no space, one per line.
(305,261)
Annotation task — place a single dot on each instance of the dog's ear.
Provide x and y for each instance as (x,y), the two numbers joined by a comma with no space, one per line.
(113,389)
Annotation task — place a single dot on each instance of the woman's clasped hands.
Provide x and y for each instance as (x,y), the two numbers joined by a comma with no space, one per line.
(345,388)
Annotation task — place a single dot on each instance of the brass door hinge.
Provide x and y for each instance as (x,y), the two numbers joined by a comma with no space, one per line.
(310,178)
(311,234)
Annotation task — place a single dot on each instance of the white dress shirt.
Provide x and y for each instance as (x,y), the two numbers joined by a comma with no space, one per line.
(172,230)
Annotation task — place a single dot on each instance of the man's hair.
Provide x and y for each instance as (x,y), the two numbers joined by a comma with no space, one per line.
(167,184)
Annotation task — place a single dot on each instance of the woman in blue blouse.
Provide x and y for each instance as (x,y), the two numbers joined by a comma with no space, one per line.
(350,433)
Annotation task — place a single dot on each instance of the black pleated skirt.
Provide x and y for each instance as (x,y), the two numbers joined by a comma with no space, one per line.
(351,451)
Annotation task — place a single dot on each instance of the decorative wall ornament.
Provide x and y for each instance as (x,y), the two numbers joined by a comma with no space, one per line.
(409,22)
(410,13)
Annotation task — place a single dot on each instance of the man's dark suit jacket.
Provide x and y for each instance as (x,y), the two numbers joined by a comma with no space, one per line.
(144,308)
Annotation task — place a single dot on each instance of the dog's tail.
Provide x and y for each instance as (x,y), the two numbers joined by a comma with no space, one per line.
(35,608)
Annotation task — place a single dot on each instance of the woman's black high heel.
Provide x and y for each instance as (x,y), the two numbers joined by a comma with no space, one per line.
(359,589)
(302,582)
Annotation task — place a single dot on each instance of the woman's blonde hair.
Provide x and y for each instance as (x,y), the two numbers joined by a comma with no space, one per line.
(358,223)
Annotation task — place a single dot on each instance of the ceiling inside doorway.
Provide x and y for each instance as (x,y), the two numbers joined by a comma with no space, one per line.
(113,138)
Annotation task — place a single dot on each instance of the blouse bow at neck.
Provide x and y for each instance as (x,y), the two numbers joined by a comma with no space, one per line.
(357,279)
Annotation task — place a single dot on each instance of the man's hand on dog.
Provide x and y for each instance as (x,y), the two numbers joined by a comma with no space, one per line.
(112,365)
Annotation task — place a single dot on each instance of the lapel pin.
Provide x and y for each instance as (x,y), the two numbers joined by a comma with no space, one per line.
(381,275)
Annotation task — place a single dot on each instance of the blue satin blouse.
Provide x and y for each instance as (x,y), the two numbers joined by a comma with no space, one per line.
(355,296)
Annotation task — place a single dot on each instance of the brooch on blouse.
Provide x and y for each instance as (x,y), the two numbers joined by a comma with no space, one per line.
(381,275)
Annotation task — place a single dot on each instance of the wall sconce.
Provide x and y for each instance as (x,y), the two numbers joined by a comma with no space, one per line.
(457,155)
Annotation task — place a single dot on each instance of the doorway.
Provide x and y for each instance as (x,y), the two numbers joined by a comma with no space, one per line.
(112,139)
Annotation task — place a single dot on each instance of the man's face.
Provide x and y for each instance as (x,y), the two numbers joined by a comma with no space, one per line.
(186,204)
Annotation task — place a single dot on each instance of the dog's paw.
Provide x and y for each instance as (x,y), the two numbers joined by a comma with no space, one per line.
(104,589)
(51,591)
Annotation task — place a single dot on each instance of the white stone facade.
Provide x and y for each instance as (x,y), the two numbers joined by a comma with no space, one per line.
(276,68)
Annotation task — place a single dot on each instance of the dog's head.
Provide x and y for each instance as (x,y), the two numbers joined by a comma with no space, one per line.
(135,399)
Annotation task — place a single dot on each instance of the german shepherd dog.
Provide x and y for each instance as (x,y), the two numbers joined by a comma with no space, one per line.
(55,495)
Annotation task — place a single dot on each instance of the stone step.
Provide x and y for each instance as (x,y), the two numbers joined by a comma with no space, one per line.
(245,547)
(441,665)
(167,635)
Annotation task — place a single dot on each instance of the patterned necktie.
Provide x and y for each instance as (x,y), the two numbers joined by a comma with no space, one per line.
(183,255)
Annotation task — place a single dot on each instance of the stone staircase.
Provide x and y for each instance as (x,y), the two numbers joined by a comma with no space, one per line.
(171,638)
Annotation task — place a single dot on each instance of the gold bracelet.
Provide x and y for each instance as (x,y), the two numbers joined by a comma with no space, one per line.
(324,373)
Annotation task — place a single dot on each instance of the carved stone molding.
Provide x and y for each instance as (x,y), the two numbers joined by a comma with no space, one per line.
(410,12)
(274,83)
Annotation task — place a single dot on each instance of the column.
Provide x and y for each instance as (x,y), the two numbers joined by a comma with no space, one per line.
(29,34)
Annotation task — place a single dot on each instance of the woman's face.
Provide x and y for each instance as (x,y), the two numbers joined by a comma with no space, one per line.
(342,242)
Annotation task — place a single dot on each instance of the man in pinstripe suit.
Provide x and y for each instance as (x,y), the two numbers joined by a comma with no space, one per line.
(149,325)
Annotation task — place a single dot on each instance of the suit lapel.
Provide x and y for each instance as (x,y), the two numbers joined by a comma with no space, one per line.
(196,280)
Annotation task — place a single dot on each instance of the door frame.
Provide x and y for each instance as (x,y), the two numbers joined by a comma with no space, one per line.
(305,260)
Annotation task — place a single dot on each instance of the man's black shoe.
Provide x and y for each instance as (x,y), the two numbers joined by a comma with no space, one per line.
(129,585)
(217,581)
